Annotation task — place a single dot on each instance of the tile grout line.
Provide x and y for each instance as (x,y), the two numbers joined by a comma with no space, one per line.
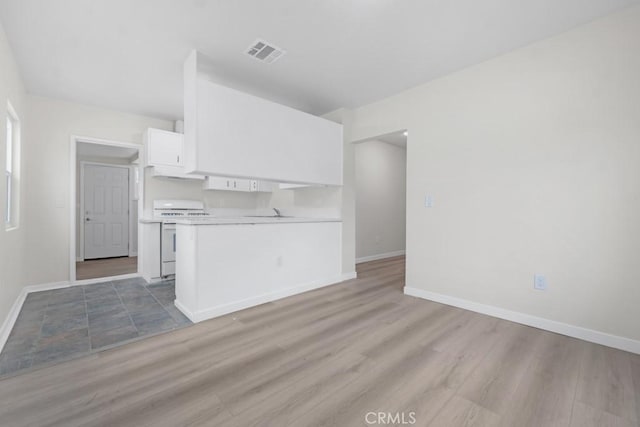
(162,305)
(126,309)
(86,312)
(39,337)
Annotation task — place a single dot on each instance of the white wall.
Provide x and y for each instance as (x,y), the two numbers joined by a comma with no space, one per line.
(533,160)
(11,242)
(46,204)
(380,170)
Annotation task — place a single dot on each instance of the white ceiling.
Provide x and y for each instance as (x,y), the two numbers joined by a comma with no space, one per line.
(128,54)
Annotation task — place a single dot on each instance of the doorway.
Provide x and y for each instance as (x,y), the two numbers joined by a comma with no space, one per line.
(381,183)
(105,231)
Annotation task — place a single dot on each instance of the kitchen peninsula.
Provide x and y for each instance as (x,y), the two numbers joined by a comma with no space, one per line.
(228,264)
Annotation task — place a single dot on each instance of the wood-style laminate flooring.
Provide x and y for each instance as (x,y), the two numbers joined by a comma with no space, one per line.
(107,267)
(330,356)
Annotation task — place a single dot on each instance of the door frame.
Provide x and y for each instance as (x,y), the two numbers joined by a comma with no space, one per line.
(355,192)
(73,150)
(84,163)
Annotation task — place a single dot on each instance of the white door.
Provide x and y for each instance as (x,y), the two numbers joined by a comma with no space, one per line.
(106,211)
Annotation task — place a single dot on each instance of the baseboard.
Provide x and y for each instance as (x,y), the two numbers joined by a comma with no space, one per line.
(221,310)
(66,284)
(585,334)
(47,286)
(11,318)
(349,276)
(190,315)
(379,256)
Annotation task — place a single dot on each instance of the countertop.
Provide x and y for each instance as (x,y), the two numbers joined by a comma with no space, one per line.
(238,220)
(149,220)
(251,220)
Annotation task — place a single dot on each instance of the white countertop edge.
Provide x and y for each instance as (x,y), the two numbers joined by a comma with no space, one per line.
(149,221)
(238,221)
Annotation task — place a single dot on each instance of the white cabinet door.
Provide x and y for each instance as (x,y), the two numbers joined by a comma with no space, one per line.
(262,186)
(218,183)
(164,154)
(164,148)
(228,184)
(241,185)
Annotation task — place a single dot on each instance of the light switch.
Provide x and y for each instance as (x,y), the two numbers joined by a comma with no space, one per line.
(540,282)
(428,201)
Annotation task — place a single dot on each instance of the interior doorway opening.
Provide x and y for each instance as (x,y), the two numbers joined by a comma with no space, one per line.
(381,188)
(106,210)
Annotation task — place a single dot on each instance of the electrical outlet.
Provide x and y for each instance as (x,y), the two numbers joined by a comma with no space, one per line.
(428,201)
(540,282)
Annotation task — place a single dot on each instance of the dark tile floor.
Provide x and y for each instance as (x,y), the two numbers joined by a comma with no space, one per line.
(64,323)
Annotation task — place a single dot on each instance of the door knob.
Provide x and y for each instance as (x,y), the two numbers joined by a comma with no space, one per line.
(87,219)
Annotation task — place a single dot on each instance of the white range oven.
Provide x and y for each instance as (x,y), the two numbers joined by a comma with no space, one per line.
(166,211)
(168,249)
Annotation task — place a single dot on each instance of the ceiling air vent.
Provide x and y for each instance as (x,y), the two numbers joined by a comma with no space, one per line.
(264,51)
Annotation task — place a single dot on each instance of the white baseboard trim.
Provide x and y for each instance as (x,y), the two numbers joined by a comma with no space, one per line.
(46,286)
(221,310)
(11,318)
(585,334)
(190,315)
(349,276)
(379,256)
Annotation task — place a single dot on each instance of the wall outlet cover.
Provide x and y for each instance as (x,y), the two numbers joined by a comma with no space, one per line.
(428,201)
(539,282)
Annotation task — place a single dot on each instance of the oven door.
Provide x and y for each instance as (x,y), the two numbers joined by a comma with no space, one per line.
(168,249)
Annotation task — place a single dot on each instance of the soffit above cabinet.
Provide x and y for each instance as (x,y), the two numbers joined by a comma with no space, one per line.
(231,133)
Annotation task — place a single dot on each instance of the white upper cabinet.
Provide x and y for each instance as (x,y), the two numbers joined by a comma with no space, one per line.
(164,152)
(237,184)
(263,186)
(231,133)
(164,148)
(228,184)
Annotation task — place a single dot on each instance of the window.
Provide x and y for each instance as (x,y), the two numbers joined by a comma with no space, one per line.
(12,145)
